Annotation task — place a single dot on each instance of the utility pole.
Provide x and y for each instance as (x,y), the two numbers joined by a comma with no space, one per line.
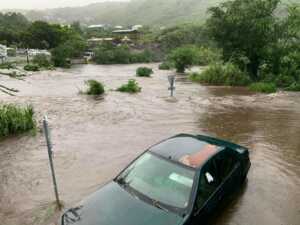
(50,154)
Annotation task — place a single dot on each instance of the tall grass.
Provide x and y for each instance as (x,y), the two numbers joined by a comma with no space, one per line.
(16,119)
(221,74)
(263,87)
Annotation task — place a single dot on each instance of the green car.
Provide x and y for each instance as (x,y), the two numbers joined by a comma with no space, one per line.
(178,181)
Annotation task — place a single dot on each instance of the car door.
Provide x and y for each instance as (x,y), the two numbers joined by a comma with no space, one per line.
(229,168)
(208,191)
(217,179)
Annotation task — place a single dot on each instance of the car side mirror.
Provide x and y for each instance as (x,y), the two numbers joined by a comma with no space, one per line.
(209,178)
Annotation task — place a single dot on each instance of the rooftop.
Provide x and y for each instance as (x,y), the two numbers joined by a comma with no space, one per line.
(187,149)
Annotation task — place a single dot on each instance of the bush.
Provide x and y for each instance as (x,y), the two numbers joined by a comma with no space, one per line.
(206,56)
(183,57)
(131,87)
(42,60)
(31,67)
(15,120)
(110,54)
(144,72)
(62,54)
(94,87)
(165,66)
(7,65)
(293,87)
(263,87)
(284,80)
(219,74)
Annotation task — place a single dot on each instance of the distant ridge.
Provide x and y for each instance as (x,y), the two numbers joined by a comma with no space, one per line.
(145,12)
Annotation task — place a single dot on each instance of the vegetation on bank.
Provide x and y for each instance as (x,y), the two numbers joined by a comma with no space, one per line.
(94,87)
(144,72)
(131,87)
(263,87)
(221,74)
(111,54)
(42,61)
(166,65)
(31,67)
(16,119)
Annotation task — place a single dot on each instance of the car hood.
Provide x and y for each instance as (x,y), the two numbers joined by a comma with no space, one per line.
(112,205)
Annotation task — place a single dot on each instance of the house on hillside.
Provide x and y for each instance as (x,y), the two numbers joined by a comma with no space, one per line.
(132,34)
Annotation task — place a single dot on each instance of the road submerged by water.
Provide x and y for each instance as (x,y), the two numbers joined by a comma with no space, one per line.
(95,138)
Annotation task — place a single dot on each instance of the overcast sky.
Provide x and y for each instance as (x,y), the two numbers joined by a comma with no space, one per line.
(43,4)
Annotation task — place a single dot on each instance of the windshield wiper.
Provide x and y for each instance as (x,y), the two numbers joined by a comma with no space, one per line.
(158,205)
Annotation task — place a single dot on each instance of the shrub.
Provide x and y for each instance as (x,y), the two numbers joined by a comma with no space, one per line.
(110,54)
(183,57)
(293,87)
(42,60)
(165,66)
(219,74)
(31,67)
(62,54)
(131,87)
(144,72)
(234,76)
(15,120)
(7,65)
(94,87)
(284,80)
(206,56)
(144,56)
(263,87)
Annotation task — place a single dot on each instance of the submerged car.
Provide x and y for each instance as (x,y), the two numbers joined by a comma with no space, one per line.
(175,182)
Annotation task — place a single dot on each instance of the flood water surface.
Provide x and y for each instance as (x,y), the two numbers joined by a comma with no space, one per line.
(95,138)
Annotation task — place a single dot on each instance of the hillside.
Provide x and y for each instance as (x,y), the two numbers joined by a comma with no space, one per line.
(145,12)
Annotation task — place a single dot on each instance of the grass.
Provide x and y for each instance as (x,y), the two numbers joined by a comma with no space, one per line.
(165,66)
(131,87)
(263,87)
(31,67)
(221,74)
(7,65)
(144,72)
(16,119)
(293,87)
(94,87)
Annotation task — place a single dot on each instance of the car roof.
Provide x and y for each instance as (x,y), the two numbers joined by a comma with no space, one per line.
(190,150)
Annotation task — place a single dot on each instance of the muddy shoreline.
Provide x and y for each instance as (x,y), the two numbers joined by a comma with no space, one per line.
(95,138)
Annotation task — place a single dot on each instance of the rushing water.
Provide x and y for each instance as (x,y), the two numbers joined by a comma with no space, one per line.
(95,138)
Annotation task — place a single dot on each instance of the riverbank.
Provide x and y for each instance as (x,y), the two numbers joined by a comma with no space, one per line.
(95,138)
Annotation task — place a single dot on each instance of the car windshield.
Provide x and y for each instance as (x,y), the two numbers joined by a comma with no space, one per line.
(160,180)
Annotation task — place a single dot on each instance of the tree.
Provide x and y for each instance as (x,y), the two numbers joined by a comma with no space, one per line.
(183,57)
(244,28)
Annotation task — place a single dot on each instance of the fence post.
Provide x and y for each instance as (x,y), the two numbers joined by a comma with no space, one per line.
(50,153)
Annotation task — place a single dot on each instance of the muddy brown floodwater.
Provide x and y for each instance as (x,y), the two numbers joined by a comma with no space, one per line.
(95,138)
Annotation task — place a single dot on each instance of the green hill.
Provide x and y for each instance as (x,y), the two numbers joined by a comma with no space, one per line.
(145,12)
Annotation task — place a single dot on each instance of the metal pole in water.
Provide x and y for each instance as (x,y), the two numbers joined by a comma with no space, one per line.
(171,79)
(50,153)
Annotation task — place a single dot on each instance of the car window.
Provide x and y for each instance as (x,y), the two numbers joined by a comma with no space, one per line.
(160,180)
(213,174)
(224,162)
(208,183)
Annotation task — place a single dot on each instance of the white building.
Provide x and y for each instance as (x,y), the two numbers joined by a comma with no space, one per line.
(3,51)
(96,26)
